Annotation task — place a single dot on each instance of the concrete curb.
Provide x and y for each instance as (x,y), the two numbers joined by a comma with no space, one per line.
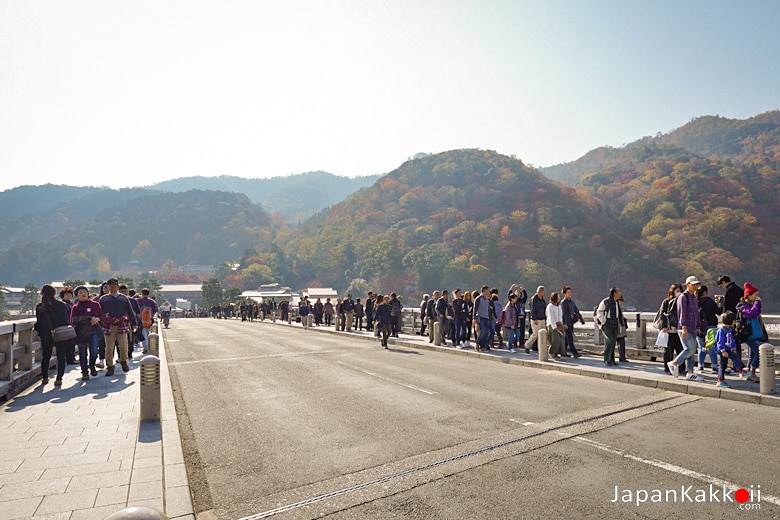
(649,381)
(177,496)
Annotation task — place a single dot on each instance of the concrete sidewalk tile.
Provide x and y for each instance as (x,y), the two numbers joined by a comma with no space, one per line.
(99,480)
(672,385)
(154,503)
(116,495)
(147,474)
(175,475)
(38,488)
(20,476)
(146,462)
(96,513)
(178,501)
(12,439)
(88,467)
(21,508)
(121,454)
(67,502)
(63,461)
(12,465)
(143,451)
(65,449)
(174,457)
(25,452)
(56,436)
(145,491)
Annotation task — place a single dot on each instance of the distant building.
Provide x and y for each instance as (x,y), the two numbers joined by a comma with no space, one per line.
(190,292)
(319,292)
(271,290)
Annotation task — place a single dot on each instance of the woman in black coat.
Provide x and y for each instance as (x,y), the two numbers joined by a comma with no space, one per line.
(50,314)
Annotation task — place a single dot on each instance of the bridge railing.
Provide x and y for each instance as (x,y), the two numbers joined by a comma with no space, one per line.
(20,356)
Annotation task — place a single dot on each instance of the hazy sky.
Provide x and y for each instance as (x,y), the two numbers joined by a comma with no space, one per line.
(130,93)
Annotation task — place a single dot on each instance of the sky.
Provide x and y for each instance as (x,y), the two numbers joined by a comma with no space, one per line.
(130,93)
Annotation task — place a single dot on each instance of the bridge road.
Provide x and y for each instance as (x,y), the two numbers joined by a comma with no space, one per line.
(275,416)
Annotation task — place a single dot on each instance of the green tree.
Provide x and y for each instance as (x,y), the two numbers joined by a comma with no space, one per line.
(151,283)
(29,298)
(233,294)
(211,293)
(75,282)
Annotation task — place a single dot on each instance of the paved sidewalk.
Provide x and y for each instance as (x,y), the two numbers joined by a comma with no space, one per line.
(643,373)
(79,451)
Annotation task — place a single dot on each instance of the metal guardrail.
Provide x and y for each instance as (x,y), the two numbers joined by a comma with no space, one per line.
(20,356)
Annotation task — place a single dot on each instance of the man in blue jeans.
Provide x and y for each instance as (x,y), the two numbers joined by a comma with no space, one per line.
(484,317)
(688,323)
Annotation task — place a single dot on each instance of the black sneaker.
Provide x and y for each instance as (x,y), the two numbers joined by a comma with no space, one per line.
(93,371)
(125,366)
(58,382)
(110,371)
(85,376)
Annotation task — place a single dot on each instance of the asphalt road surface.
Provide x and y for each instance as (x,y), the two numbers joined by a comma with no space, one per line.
(281,423)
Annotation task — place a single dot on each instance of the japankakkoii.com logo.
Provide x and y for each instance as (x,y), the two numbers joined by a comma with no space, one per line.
(746,498)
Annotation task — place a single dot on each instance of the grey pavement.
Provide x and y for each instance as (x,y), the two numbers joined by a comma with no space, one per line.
(79,451)
(648,374)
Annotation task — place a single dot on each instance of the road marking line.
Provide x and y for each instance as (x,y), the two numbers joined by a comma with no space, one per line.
(248,358)
(374,374)
(671,467)
(524,423)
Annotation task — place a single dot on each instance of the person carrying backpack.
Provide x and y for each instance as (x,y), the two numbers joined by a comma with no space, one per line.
(726,348)
(709,311)
(148,309)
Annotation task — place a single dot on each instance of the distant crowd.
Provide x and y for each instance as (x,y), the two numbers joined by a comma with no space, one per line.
(692,325)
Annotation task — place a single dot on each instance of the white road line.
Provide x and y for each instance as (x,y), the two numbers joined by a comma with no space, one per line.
(524,423)
(374,374)
(673,468)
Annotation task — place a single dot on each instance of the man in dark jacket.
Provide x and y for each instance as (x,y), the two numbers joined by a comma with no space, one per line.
(431,313)
(441,313)
(730,300)
(538,317)
(370,311)
(571,315)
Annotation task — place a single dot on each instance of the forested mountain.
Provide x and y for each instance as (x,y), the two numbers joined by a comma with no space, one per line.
(738,141)
(194,227)
(296,196)
(466,218)
(40,212)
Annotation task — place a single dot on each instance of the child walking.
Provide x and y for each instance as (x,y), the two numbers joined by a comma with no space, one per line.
(726,347)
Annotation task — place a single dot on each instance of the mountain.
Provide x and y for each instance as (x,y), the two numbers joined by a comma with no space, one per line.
(755,140)
(296,196)
(465,218)
(141,234)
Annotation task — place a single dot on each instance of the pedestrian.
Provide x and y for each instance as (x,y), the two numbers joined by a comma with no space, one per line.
(441,315)
(459,318)
(165,313)
(666,321)
(51,313)
(484,316)
(370,305)
(468,305)
(66,295)
(303,311)
(688,324)
(102,340)
(731,297)
(510,321)
(327,310)
(538,318)
(118,319)
(318,310)
(284,310)
(750,309)
(358,315)
(726,348)
(571,315)
(341,317)
(522,299)
(431,314)
(709,311)
(383,319)
(396,308)
(85,317)
(423,313)
(349,311)
(147,312)
(554,323)
(609,314)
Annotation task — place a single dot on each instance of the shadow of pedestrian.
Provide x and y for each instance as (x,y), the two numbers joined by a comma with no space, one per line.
(99,387)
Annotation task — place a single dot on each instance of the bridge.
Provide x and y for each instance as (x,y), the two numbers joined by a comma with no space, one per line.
(264,419)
